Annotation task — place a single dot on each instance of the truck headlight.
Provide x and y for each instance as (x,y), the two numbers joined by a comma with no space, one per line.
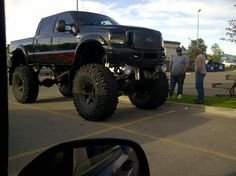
(127,69)
(161,68)
(117,38)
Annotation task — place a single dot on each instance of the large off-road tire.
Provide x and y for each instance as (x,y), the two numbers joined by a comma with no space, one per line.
(65,87)
(152,95)
(25,84)
(95,92)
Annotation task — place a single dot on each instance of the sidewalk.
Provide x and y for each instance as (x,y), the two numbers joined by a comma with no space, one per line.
(211,78)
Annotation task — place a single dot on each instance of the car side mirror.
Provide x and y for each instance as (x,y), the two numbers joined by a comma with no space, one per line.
(61,26)
(90,157)
(74,29)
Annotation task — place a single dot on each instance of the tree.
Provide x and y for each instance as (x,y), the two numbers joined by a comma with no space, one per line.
(231,31)
(217,52)
(184,50)
(201,45)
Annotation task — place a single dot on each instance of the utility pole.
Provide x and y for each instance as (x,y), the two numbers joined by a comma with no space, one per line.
(77,5)
(199,10)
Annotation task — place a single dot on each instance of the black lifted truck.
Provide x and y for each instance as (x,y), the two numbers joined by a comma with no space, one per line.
(93,59)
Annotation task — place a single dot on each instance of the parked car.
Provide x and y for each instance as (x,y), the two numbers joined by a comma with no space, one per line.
(213,66)
(229,63)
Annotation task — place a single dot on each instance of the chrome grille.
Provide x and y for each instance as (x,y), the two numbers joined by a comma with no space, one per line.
(145,39)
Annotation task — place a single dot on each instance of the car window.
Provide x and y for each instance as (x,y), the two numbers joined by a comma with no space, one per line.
(66,17)
(99,78)
(46,26)
(83,18)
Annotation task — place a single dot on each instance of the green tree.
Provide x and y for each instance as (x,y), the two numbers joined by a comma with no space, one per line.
(231,31)
(201,44)
(217,52)
(184,50)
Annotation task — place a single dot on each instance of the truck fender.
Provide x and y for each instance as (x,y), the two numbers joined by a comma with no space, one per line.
(88,39)
(91,38)
(16,60)
(25,56)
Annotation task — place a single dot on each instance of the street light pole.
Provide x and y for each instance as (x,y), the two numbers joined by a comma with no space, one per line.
(77,5)
(199,10)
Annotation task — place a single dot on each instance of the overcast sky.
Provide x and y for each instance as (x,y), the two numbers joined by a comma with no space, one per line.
(176,19)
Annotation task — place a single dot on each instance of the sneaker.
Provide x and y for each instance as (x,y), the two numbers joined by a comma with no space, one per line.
(198,101)
(180,96)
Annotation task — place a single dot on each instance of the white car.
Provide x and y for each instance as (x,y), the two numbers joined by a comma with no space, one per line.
(229,63)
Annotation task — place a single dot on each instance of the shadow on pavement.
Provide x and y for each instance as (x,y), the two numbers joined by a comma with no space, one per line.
(53,100)
(162,123)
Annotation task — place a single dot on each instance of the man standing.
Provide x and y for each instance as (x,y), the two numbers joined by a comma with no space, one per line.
(178,67)
(200,73)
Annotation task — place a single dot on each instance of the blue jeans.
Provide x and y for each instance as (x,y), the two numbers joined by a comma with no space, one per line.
(179,79)
(199,79)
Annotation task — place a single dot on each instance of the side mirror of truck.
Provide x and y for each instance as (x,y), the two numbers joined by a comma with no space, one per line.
(90,157)
(61,26)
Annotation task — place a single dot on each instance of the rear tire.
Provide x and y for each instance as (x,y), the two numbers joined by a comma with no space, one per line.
(95,92)
(65,87)
(25,84)
(151,96)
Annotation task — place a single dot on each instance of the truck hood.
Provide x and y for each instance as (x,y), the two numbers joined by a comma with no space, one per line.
(115,28)
(135,37)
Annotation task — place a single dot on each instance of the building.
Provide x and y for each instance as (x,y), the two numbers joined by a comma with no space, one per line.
(228,57)
(170,47)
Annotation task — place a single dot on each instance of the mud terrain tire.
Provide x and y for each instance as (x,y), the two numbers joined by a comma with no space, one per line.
(25,84)
(65,87)
(151,96)
(95,92)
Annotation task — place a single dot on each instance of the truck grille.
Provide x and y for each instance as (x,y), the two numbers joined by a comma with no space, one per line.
(144,39)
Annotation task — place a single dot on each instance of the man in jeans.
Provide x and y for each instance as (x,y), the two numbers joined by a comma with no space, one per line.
(178,67)
(200,73)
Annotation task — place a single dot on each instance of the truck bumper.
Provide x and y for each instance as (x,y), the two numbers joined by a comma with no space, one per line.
(121,56)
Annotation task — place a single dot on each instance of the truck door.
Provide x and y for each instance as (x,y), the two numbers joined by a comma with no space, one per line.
(64,43)
(43,41)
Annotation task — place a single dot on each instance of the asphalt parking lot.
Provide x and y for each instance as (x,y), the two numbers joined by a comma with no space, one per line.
(178,139)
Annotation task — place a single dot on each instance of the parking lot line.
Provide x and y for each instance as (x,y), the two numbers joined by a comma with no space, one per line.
(121,127)
(183,145)
(99,123)
(34,151)
(110,128)
(46,110)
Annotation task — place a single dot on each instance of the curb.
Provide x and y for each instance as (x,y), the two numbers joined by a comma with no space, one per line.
(208,109)
(211,109)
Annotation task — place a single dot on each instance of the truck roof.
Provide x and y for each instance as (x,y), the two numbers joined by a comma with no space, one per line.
(73,11)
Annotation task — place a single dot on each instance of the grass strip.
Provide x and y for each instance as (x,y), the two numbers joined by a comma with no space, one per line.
(225,102)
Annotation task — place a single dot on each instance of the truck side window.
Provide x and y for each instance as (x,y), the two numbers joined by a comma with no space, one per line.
(47,25)
(65,16)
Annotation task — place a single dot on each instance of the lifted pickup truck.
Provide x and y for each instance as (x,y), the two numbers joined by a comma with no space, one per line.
(93,59)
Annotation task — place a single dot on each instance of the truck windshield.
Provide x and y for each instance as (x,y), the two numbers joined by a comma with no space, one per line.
(85,18)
